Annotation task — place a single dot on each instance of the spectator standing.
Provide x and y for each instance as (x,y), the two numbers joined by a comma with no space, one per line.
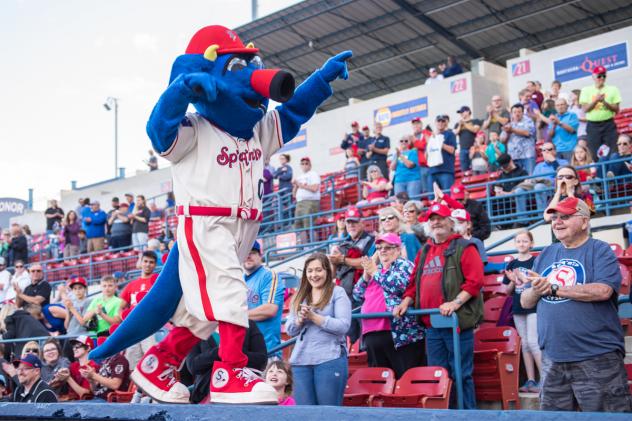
(94,220)
(71,227)
(320,317)
(115,206)
(32,388)
(459,198)
(478,154)
(578,280)
(106,307)
(307,194)
(525,320)
(582,157)
(497,116)
(268,177)
(466,129)
(519,134)
(435,284)
(152,161)
(563,129)
(352,165)
(575,108)
(140,223)
(395,344)
(376,187)
(363,151)
(452,67)
(154,211)
(132,294)
(83,242)
(54,215)
(378,149)
(601,104)
(353,140)
(265,297)
(18,245)
(200,360)
(129,198)
(420,142)
(441,150)
(530,107)
(624,151)
(391,222)
(38,292)
(534,87)
(5,280)
(407,177)
(279,375)
(284,173)
(433,76)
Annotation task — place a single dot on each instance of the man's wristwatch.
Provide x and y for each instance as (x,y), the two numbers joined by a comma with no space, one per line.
(554,288)
(458,301)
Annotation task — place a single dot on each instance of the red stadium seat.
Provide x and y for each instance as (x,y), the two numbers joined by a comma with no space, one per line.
(628,369)
(419,387)
(366,382)
(617,249)
(491,311)
(503,258)
(356,358)
(123,397)
(497,365)
(493,286)
(626,279)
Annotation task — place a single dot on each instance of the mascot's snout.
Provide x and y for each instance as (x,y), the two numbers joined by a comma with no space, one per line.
(278,85)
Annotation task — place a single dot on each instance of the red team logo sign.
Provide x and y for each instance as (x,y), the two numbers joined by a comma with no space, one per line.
(566,272)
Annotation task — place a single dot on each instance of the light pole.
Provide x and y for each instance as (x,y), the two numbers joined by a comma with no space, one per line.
(110,103)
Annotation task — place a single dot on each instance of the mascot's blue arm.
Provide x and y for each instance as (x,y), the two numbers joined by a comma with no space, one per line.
(152,313)
(302,106)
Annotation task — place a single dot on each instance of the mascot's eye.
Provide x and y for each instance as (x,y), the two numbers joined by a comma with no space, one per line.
(235,64)
(257,62)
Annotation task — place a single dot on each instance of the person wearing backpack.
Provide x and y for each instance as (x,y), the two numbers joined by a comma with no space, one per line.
(448,275)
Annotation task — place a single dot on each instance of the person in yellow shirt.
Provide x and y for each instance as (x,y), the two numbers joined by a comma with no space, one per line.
(601,104)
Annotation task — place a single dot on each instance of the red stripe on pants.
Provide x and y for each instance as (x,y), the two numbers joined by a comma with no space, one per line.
(199,268)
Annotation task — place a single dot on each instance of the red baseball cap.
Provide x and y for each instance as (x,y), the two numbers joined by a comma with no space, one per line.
(570,206)
(226,39)
(461,215)
(84,340)
(416,120)
(306,158)
(355,124)
(339,216)
(365,128)
(353,214)
(77,280)
(457,191)
(599,70)
(438,209)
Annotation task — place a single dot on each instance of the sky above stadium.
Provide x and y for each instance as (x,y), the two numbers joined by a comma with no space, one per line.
(61,60)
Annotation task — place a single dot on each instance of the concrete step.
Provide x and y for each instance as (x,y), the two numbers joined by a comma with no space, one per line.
(528,401)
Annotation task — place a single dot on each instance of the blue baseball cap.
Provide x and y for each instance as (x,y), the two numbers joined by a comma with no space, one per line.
(29,359)
(256,247)
(118,275)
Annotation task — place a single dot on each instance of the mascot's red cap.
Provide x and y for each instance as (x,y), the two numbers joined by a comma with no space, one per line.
(226,39)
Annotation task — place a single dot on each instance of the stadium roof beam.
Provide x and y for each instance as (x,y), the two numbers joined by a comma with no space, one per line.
(432,24)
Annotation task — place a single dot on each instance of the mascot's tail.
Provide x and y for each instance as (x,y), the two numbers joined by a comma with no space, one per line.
(154,310)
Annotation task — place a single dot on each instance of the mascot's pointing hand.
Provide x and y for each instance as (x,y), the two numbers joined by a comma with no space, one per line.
(336,67)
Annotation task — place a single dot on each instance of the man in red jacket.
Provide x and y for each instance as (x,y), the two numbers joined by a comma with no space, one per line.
(435,283)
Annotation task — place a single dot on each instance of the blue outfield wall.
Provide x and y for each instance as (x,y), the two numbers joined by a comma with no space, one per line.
(101,411)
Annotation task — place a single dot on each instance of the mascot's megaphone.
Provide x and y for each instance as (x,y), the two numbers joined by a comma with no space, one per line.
(278,85)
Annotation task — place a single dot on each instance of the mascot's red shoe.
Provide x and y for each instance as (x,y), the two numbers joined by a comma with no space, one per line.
(239,386)
(155,374)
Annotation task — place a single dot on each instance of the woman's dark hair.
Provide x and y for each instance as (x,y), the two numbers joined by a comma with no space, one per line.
(304,292)
(55,342)
(286,156)
(68,216)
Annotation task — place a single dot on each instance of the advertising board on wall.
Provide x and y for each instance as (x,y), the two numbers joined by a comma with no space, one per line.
(402,112)
(581,65)
(300,141)
(10,207)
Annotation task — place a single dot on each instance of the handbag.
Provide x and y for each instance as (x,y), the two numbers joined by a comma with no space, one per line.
(435,155)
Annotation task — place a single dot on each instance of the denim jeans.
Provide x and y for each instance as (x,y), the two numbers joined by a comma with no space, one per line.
(541,199)
(413,188)
(441,353)
(464,157)
(322,384)
(426,181)
(445,180)
(527,164)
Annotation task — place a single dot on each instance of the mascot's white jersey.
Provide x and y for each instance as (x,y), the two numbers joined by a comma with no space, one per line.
(213,168)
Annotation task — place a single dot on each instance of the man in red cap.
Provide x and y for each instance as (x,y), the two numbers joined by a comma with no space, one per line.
(436,284)
(306,191)
(421,137)
(459,198)
(575,285)
(601,104)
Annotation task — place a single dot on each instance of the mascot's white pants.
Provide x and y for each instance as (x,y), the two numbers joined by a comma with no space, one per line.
(212,251)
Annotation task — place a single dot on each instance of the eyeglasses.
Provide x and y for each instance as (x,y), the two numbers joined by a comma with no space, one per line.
(387,218)
(304,163)
(46,351)
(601,76)
(565,177)
(19,266)
(547,149)
(32,351)
(78,346)
(403,141)
(385,248)
(618,144)
(35,270)
(563,217)
(442,120)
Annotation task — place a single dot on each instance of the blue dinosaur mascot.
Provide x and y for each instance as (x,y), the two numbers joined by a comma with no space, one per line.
(217,157)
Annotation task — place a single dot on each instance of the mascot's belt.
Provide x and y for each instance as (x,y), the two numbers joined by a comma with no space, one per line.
(235,212)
